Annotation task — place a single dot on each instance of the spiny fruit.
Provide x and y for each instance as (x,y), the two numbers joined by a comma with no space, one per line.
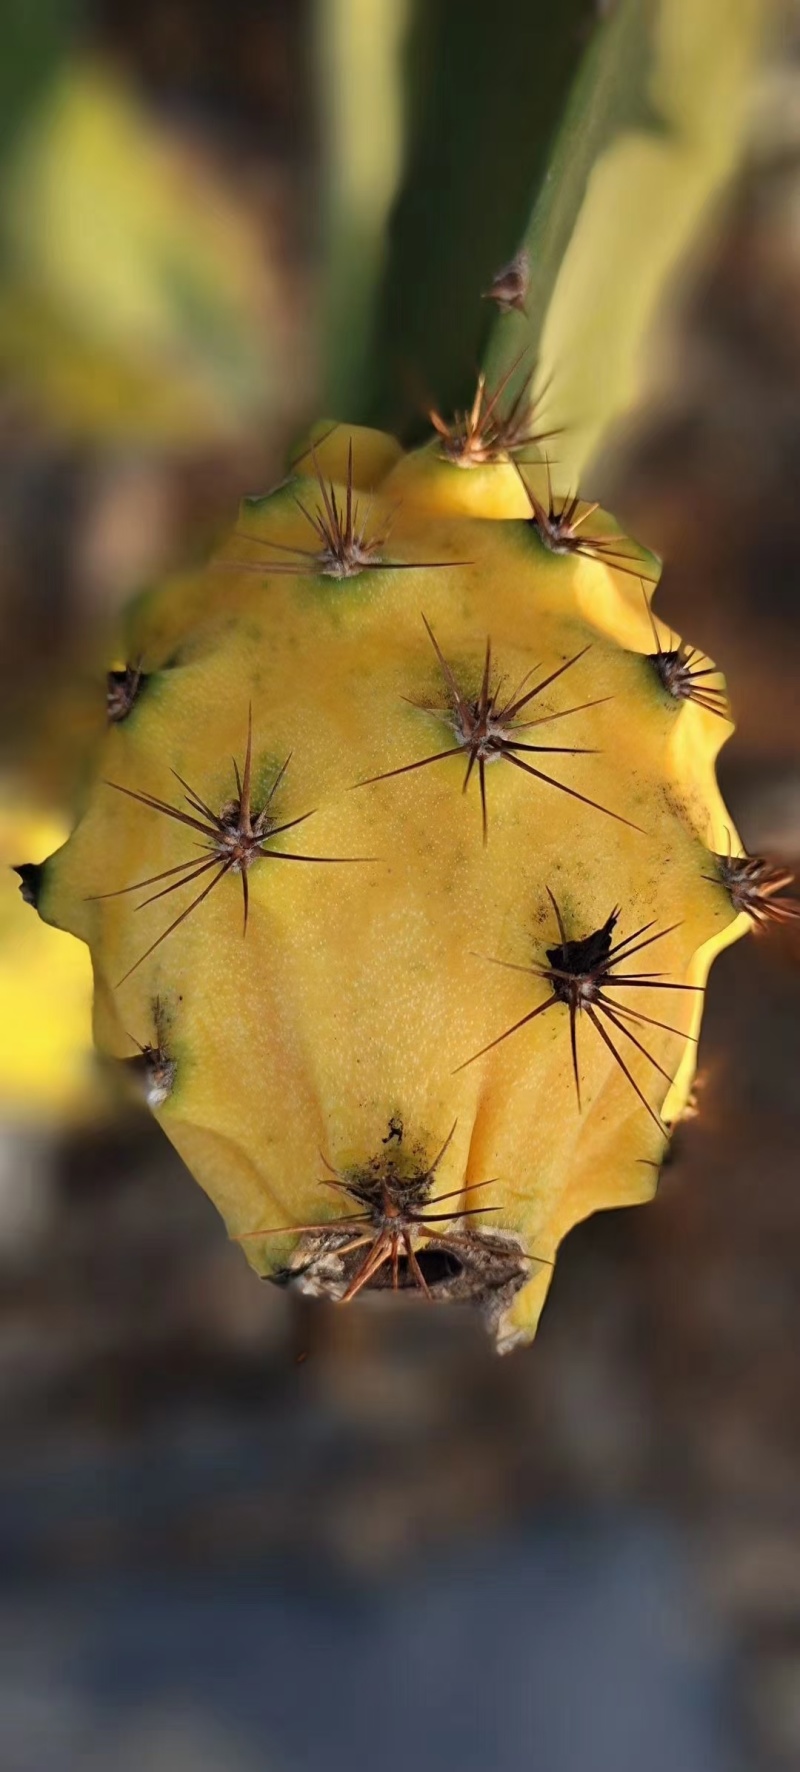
(403,868)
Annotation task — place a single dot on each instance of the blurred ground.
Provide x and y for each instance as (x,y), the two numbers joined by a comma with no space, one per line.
(175,1435)
(445,1665)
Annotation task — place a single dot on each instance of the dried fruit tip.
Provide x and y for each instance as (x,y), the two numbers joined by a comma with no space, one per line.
(30,875)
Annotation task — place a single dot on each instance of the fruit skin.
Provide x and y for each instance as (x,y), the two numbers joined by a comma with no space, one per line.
(326,1057)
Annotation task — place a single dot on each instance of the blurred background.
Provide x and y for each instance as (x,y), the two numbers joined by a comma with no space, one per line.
(241,1532)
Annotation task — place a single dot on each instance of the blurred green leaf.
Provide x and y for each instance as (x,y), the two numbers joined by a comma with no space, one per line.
(36,35)
(484,91)
(134,297)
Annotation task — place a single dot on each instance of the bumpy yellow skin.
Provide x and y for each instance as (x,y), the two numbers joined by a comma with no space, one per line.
(359,989)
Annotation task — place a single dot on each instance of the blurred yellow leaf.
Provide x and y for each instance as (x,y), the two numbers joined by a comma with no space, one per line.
(653,133)
(134,296)
(46,1064)
(358,53)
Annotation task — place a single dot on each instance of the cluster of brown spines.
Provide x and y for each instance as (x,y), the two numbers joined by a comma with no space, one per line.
(560,526)
(581,971)
(758,889)
(684,671)
(492,429)
(232,839)
(487,729)
(372,1244)
(345,545)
